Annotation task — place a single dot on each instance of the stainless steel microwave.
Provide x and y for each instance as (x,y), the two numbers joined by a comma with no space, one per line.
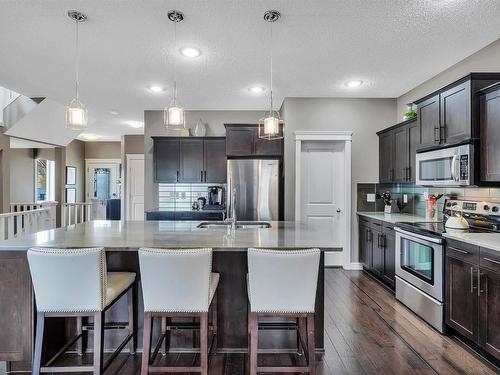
(450,166)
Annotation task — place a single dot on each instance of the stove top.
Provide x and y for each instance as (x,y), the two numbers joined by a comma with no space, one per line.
(436,229)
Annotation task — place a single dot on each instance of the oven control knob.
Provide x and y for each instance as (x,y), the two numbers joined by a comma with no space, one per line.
(494,209)
(486,207)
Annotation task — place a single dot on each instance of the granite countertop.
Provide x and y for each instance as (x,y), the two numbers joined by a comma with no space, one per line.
(123,235)
(393,218)
(486,240)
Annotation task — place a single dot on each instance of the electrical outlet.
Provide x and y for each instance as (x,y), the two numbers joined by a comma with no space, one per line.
(405,198)
(370,197)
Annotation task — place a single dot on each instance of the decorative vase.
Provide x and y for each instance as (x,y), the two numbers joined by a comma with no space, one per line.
(199,129)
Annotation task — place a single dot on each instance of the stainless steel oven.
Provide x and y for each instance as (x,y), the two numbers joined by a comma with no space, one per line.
(451,166)
(419,275)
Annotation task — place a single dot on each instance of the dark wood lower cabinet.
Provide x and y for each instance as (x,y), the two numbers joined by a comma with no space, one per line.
(377,246)
(473,294)
(489,312)
(461,297)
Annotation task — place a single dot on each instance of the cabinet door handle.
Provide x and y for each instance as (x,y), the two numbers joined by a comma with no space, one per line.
(437,131)
(205,176)
(177,176)
(201,178)
(378,240)
(479,290)
(492,260)
(403,174)
(472,279)
(459,251)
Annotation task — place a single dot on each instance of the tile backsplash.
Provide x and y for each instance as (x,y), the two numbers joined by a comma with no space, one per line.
(416,196)
(180,197)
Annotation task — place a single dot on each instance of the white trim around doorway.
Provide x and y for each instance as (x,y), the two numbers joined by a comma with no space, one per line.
(329,135)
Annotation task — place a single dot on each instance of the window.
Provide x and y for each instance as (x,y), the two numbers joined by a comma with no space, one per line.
(44,180)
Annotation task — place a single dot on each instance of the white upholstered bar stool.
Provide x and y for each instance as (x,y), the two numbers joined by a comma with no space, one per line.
(282,283)
(177,283)
(75,283)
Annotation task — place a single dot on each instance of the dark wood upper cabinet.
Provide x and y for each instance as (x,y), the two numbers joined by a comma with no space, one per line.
(239,141)
(166,156)
(401,156)
(397,150)
(450,115)
(413,144)
(190,160)
(386,154)
(490,135)
(215,160)
(461,297)
(429,122)
(243,140)
(191,156)
(455,109)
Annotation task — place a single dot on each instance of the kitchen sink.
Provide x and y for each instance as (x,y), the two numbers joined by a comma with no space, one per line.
(239,224)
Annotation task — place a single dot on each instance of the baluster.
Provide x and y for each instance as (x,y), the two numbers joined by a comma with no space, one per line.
(82,213)
(63,215)
(2,228)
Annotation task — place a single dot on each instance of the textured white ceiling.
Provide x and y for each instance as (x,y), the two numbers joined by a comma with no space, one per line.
(126,45)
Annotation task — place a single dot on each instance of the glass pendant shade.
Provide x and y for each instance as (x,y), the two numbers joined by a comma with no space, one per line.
(174,117)
(271,126)
(76,115)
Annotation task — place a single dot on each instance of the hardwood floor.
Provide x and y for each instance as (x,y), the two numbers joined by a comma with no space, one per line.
(366,332)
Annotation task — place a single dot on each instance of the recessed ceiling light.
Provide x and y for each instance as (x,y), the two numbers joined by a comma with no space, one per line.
(156,89)
(354,83)
(256,89)
(135,124)
(190,52)
(114,113)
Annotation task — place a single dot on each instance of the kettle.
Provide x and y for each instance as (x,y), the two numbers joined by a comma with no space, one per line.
(457,221)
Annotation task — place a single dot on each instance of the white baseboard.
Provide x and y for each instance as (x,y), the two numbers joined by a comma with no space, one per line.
(354,266)
(334,258)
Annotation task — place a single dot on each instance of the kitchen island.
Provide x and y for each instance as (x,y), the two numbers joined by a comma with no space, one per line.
(122,239)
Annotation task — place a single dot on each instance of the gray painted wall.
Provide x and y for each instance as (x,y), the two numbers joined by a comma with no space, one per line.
(485,60)
(153,126)
(362,116)
(102,150)
(22,175)
(75,157)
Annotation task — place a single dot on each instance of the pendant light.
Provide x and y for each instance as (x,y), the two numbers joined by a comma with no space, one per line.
(76,112)
(174,116)
(271,125)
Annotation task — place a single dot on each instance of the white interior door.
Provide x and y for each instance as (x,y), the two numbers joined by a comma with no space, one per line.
(322,187)
(135,187)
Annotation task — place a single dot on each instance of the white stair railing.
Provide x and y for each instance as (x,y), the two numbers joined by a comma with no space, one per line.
(75,213)
(51,206)
(15,224)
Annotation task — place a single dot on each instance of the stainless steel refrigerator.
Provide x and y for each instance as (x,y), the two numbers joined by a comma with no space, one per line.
(257,184)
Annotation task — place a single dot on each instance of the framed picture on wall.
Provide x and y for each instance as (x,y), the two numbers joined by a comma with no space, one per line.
(70,175)
(70,195)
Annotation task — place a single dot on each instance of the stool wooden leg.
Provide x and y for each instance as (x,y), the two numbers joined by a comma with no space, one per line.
(311,344)
(301,335)
(204,343)
(132,317)
(98,342)
(40,326)
(146,343)
(254,340)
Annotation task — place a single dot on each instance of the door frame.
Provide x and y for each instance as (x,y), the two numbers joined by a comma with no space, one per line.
(92,162)
(128,158)
(333,136)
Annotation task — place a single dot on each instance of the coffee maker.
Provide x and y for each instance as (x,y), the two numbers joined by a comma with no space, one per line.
(215,195)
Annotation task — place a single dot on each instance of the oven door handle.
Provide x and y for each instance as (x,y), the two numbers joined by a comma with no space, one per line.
(419,236)
(454,164)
